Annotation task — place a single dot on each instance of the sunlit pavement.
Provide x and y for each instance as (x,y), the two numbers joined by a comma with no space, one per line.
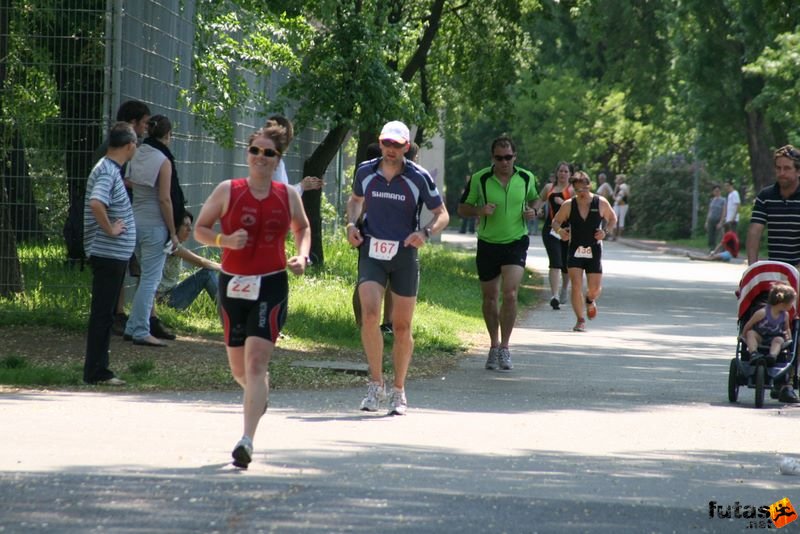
(623,428)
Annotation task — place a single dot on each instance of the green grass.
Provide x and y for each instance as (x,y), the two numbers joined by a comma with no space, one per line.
(320,322)
(16,370)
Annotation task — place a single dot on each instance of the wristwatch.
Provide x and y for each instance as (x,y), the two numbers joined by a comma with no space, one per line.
(308,261)
(427,232)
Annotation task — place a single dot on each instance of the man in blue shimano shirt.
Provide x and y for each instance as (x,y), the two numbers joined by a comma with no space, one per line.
(390,191)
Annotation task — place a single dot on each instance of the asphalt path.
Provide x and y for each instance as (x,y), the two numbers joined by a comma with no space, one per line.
(623,428)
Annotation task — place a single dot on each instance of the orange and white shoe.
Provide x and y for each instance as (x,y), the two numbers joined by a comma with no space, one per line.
(591,310)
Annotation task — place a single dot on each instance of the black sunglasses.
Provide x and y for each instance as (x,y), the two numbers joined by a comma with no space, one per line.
(392,144)
(507,157)
(267,152)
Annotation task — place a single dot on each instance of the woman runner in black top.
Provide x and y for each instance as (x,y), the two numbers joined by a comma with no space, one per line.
(585,214)
(555,194)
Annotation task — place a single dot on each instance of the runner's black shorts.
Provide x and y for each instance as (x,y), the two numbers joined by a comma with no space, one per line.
(589,265)
(263,317)
(556,251)
(402,271)
(492,256)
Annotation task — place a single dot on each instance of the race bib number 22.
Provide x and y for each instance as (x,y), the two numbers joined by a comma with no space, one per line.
(244,287)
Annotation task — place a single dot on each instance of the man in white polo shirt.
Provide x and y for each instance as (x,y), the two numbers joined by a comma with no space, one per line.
(731,208)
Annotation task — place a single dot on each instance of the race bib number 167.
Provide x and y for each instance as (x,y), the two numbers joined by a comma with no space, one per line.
(383,249)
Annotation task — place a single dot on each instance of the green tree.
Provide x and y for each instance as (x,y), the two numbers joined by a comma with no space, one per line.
(779,65)
(662,198)
(714,40)
(357,64)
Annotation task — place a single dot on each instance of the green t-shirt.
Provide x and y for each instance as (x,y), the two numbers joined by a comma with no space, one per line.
(506,224)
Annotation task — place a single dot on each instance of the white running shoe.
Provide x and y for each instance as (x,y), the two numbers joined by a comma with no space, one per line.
(376,395)
(491,361)
(398,403)
(505,359)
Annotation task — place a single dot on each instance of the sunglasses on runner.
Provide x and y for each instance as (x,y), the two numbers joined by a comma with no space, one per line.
(507,157)
(266,152)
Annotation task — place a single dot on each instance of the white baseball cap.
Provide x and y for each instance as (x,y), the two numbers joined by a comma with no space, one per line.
(395,131)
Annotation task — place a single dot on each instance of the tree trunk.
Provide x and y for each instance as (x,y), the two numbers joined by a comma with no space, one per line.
(10,272)
(316,165)
(762,168)
(23,213)
(325,152)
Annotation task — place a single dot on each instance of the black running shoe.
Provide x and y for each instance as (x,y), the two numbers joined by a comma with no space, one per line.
(788,395)
(243,453)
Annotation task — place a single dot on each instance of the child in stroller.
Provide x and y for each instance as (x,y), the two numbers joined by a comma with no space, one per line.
(768,333)
(770,325)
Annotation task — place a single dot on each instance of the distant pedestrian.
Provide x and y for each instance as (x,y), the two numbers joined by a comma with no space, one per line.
(604,189)
(732,203)
(504,198)
(255,214)
(590,217)
(109,236)
(622,193)
(713,222)
(389,191)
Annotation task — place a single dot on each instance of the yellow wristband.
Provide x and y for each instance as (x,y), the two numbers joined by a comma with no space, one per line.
(218,240)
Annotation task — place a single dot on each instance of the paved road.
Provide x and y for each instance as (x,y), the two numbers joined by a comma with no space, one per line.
(624,428)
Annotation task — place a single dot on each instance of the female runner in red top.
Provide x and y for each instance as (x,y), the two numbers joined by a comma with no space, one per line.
(255,215)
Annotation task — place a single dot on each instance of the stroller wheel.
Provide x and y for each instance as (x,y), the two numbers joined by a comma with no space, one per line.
(761,373)
(733,381)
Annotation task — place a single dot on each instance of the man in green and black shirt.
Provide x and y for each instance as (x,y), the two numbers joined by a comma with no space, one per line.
(504,197)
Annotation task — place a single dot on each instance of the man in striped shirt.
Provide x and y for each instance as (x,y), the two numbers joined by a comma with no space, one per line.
(778,207)
(109,236)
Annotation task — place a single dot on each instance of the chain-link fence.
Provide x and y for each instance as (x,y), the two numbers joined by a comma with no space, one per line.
(64,69)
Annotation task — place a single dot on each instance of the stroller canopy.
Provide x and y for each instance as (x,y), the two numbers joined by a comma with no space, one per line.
(758,279)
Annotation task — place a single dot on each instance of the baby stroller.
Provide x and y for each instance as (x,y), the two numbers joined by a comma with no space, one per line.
(759,370)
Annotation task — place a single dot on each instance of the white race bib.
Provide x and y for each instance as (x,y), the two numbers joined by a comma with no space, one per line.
(244,287)
(554,234)
(583,252)
(383,249)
